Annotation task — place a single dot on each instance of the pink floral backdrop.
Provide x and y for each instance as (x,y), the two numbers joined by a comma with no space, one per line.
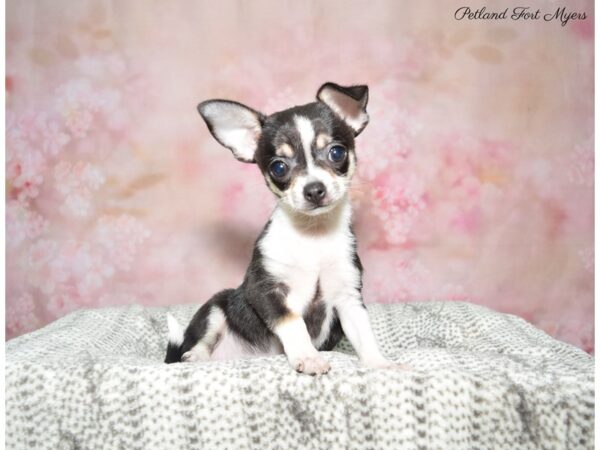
(475,177)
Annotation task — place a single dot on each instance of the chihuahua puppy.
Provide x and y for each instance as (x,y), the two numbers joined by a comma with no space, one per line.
(302,290)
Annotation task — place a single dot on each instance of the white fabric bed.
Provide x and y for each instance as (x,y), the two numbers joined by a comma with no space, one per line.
(95,379)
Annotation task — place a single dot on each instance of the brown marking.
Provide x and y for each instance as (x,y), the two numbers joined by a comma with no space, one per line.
(274,188)
(290,316)
(323,139)
(285,150)
(211,345)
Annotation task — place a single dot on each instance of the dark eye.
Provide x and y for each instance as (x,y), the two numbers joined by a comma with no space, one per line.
(278,169)
(337,153)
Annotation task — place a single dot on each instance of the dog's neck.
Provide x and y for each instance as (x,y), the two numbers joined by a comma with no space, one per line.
(335,220)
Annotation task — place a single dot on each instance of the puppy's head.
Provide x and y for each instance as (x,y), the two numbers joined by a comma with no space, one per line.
(306,153)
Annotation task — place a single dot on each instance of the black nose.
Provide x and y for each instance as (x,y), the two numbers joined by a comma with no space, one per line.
(314,192)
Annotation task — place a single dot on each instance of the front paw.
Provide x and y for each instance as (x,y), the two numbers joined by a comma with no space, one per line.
(196,354)
(382,363)
(310,365)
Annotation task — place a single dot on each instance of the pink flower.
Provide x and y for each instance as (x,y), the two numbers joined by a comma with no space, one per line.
(120,237)
(77,204)
(78,122)
(412,280)
(468,220)
(16,142)
(25,165)
(249,201)
(102,66)
(54,140)
(389,141)
(20,314)
(76,102)
(41,253)
(62,303)
(29,189)
(22,223)
(397,203)
(282,99)
(78,268)
(76,183)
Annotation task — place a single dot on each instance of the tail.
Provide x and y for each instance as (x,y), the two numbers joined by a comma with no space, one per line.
(175,340)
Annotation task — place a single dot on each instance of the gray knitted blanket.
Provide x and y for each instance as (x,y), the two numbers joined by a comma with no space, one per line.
(95,379)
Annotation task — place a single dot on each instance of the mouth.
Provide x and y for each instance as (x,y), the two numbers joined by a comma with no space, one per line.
(315,210)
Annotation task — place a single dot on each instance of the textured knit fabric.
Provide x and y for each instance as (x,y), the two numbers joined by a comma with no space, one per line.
(95,379)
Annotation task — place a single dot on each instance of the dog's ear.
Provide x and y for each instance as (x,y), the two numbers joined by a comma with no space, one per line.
(349,103)
(234,125)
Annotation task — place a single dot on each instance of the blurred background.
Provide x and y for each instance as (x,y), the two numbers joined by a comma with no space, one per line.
(475,178)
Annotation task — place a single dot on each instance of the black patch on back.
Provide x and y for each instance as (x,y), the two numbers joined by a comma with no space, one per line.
(265,294)
(258,303)
(244,322)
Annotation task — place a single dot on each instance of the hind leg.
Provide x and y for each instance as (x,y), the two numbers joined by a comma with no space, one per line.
(204,331)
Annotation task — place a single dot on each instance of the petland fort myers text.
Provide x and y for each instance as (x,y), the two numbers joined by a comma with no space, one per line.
(520,13)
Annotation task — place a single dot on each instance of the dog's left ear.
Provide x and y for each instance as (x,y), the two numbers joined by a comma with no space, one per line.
(349,103)
(234,125)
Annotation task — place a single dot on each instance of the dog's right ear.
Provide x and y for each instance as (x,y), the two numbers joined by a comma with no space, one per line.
(234,125)
(349,103)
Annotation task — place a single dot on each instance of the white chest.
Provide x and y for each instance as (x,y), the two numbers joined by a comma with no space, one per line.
(301,260)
